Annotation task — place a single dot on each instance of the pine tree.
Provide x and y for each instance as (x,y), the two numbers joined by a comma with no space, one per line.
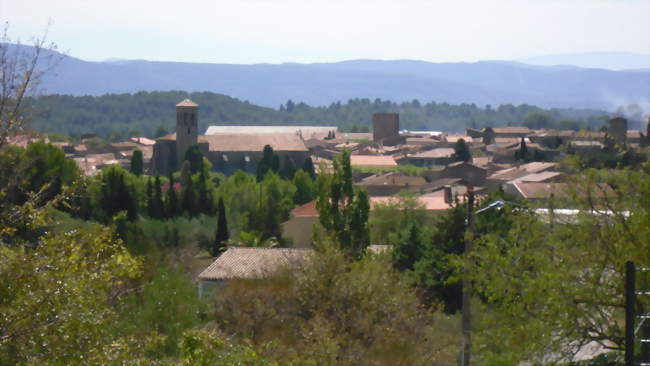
(136,163)
(222,235)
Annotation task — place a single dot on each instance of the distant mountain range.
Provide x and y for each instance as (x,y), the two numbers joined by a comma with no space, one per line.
(486,82)
(595,60)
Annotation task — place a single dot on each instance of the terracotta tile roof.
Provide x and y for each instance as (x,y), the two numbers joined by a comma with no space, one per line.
(253,263)
(512,129)
(456,138)
(187,103)
(170,137)
(442,152)
(544,190)
(537,177)
(253,142)
(523,170)
(143,140)
(306,132)
(393,179)
(372,160)
(481,161)
(306,210)
(432,202)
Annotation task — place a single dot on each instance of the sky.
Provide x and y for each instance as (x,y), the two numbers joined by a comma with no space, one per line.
(276,31)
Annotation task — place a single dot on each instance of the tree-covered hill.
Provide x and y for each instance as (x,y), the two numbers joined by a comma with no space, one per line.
(149,113)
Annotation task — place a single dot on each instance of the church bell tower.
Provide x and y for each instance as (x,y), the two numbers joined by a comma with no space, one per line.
(187,113)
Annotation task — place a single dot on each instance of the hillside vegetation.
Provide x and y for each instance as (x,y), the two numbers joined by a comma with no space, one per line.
(152,113)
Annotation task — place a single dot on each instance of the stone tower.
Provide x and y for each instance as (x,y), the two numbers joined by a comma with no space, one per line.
(618,129)
(187,116)
(385,125)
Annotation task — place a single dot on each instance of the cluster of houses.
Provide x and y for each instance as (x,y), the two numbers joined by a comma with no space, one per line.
(377,157)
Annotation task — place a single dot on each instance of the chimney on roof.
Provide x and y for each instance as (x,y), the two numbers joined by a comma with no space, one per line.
(447,194)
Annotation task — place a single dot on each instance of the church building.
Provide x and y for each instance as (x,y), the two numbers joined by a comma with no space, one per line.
(230,148)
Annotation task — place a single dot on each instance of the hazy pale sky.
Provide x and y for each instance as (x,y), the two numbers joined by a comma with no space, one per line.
(253,31)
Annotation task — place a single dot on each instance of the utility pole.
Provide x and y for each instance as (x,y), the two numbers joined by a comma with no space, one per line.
(467,285)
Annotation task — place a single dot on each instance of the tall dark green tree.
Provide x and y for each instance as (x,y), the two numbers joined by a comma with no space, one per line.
(408,247)
(308,166)
(204,203)
(461,151)
(275,163)
(266,163)
(222,235)
(194,156)
(150,203)
(288,169)
(136,163)
(188,199)
(522,153)
(158,205)
(172,199)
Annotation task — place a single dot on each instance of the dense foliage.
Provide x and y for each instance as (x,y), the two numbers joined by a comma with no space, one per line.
(117,116)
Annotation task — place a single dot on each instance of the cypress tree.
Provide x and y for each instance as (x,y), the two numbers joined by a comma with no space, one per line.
(275,163)
(151,209)
(222,235)
(461,151)
(187,200)
(308,166)
(265,163)
(172,199)
(136,163)
(157,200)
(289,168)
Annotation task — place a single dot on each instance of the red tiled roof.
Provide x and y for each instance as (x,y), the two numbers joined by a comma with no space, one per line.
(306,210)
(253,142)
(372,160)
(187,103)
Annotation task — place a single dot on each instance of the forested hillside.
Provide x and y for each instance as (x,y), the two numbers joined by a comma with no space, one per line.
(151,113)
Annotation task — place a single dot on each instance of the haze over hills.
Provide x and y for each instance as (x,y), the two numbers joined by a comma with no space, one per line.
(486,82)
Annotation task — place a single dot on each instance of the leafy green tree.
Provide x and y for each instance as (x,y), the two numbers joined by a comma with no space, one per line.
(56,298)
(116,195)
(161,131)
(136,163)
(408,248)
(556,283)
(461,151)
(434,272)
(304,187)
(222,235)
(342,213)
